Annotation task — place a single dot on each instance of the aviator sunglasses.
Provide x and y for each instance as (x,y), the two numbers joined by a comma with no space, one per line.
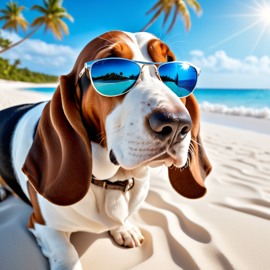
(116,76)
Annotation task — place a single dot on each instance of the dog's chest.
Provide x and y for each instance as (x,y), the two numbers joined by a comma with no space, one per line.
(100,210)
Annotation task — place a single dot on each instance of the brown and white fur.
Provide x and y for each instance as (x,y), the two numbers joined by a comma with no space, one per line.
(78,129)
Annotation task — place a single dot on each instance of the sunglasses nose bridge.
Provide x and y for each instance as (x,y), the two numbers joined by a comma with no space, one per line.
(151,73)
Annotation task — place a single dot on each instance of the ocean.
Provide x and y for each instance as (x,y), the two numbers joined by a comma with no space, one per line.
(113,87)
(253,103)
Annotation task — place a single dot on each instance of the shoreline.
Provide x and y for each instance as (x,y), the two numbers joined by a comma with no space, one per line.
(16,85)
(12,93)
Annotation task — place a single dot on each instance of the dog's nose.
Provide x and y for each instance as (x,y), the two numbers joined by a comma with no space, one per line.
(168,125)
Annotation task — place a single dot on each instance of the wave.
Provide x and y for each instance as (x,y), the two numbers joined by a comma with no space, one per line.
(240,111)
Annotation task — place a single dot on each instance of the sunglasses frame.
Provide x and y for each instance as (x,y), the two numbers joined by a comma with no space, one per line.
(88,66)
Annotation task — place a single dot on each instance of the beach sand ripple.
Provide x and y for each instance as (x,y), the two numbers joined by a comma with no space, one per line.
(226,229)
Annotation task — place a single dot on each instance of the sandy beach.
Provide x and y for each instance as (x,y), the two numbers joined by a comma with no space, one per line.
(10,96)
(227,229)
(4,84)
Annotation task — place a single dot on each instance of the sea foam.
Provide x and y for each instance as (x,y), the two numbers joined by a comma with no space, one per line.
(241,111)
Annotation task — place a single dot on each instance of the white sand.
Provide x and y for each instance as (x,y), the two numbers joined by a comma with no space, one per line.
(259,125)
(227,229)
(4,84)
(9,96)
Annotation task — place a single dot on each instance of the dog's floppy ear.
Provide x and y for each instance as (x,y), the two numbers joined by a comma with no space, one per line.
(189,182)
(59,162)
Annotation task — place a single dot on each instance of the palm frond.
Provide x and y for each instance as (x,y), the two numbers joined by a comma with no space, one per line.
(180,8)
(7,25)
(66,16)
(167,13)
(57,31)
(154,7)
(38,21)
(59,10)
(22,23)
(20,9)
(174,18)
(46,4)
(4,18)
(54,29)
(40,9)
(58,34)
(153,19)
(11,25)
(63,26)
(6,12)
(183,10)
(195,5)
(54,4)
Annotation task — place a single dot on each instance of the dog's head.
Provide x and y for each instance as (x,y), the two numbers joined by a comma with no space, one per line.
(148,125)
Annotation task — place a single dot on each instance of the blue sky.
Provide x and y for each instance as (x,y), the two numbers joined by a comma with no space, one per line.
(243,61)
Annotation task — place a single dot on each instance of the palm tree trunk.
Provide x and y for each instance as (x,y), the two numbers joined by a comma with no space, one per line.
(22,40)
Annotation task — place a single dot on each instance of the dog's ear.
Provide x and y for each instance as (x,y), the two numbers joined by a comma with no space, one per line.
(159,51)
(189,182)
(59,162)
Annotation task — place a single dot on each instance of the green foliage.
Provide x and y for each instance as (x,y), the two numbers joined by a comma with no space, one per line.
(12,72)
(167,79)
(114,76)
(4,43)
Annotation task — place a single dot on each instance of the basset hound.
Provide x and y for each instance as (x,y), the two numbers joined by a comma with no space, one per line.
(82,159)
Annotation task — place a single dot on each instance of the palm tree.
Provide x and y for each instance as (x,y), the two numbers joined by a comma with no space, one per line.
(53,13)
(13,16)
(17,62)
(180,7)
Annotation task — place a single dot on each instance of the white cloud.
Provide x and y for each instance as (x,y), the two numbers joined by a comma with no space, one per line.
(220,62)
(197,53)
(41,56)
(222,71)
(232,80)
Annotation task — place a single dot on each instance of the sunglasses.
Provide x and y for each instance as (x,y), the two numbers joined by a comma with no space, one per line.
(116,76)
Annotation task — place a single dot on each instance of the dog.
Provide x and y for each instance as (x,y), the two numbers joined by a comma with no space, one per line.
(82,159)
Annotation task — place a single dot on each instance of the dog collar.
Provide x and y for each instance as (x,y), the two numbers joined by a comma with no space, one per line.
(123,186)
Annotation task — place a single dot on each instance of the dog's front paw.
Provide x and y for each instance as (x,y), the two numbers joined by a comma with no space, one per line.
(128,236)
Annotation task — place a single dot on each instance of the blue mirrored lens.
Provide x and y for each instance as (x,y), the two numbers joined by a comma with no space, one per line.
(112,77)
(181,78)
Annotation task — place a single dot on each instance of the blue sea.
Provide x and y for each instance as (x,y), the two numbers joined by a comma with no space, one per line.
(113,87)
(48,90)
(254,103)
(256,99)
